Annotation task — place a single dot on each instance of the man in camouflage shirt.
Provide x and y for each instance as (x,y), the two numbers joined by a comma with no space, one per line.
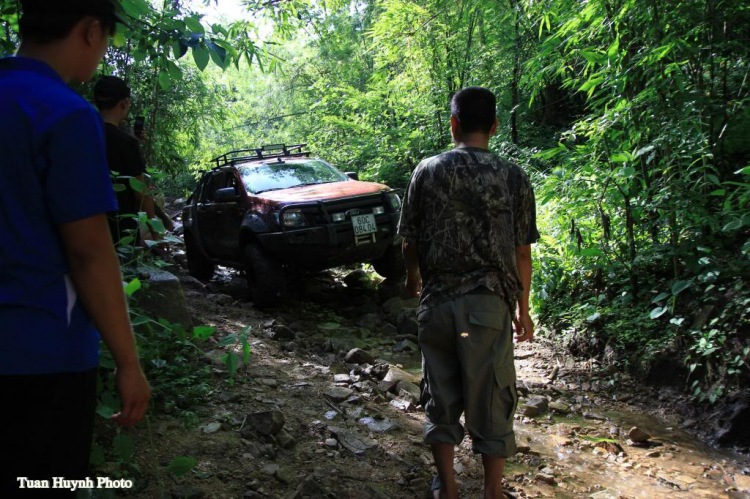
(468,222)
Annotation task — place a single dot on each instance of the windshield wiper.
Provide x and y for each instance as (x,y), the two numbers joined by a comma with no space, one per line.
(295,186)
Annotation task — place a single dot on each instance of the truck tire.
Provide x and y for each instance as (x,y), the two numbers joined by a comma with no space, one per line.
(391,265)
(199,266)
(266,277)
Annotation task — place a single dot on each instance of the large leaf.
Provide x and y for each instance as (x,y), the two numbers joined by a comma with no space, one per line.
(123,447)
(165,80)
(181,465)
(132,287)
(135,8)
(203,332)
(680,286)
(658,312)
(201,57)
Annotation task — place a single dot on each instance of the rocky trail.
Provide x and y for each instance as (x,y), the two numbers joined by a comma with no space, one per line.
(327,407)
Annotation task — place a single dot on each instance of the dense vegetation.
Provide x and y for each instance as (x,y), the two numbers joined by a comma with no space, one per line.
(630,116)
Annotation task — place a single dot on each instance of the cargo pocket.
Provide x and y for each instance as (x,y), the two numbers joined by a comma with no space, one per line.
(504,399)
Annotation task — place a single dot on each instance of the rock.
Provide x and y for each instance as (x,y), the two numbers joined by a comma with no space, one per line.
(396,374)
(637,435)
(251,448)
(164,298)
(389,329)
(407,346)
(379,426)
(540,403)
(413,390)
(187,492)
(190,281)
(228,397)
(402,405)
(610,447)
(653,453)
(279,332)
(285,440)
(341,378)
(221,300)
(388,290)
(357,279)
(545,478)
(560,407)
(742,482)
(211,427)
(359,356)
(394,306)
(593,416)
(266,422)
(285,476)
(309,487)
(732,425)
(338,393)
(378,371)
(271,383)
(354,443)
(270,469)
(531,411)
(406,322)
(371,322)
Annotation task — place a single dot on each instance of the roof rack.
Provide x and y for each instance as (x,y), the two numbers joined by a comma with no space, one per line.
(263,152)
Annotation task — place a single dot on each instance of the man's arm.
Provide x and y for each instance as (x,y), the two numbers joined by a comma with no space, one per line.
(95,271)
(413,276)
(523,322)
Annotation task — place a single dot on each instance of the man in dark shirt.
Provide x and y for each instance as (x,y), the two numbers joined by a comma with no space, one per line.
(60,281)
(112,98)
(468,221)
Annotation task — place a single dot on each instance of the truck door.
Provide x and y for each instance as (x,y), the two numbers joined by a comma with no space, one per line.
(219,220)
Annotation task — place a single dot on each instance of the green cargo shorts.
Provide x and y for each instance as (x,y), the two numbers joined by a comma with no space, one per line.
(467,362)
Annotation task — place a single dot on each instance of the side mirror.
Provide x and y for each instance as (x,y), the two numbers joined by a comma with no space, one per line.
(353,175)
(226,195)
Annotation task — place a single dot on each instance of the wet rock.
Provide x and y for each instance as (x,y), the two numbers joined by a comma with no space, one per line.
(354,443)
(338,393)
(531,411)
(341,378)
(164,298)
(187,492)
(359,356)
(379,426)
(610,447)
(540,403)
(410,388)
(378,371)
(637,435)
(266,422)
(396,374)
(279,332)
(191,282)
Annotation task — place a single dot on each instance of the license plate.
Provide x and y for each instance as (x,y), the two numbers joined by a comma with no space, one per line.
(364,224)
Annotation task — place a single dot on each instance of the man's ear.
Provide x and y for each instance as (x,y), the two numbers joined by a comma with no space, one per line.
(455,127)
(493,130)
(93,31)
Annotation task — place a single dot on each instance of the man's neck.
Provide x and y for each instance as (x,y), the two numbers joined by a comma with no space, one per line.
(474,140)
(51,54)
(112,118)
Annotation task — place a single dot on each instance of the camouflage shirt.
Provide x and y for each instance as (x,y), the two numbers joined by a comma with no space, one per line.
(468,210)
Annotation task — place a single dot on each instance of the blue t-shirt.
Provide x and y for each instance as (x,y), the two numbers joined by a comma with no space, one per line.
(53,170)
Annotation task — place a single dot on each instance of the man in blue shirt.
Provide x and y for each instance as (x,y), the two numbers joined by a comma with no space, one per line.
(60,281)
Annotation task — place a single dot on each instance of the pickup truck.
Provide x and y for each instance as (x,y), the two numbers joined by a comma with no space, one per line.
(273,209)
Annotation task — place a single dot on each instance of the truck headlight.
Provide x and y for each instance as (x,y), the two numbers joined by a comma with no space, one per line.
(294,219)
(378,210)
(395,201)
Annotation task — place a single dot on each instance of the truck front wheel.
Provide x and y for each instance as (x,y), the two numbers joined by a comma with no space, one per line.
(266,277)
(199,266)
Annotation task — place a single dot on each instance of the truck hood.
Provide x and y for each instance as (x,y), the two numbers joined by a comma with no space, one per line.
(322,192)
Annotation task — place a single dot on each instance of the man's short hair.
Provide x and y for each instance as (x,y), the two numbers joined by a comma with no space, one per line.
(109,91)
(46,21)
(475,109)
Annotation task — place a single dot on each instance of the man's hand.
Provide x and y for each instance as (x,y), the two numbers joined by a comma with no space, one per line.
(524,327)
(134,392)
(414,285)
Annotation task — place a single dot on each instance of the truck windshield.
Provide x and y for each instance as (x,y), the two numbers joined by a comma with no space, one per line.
(275,176)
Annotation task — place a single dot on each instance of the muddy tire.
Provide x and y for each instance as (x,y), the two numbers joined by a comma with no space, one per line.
(266,277)
(391,265)
(199,266)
